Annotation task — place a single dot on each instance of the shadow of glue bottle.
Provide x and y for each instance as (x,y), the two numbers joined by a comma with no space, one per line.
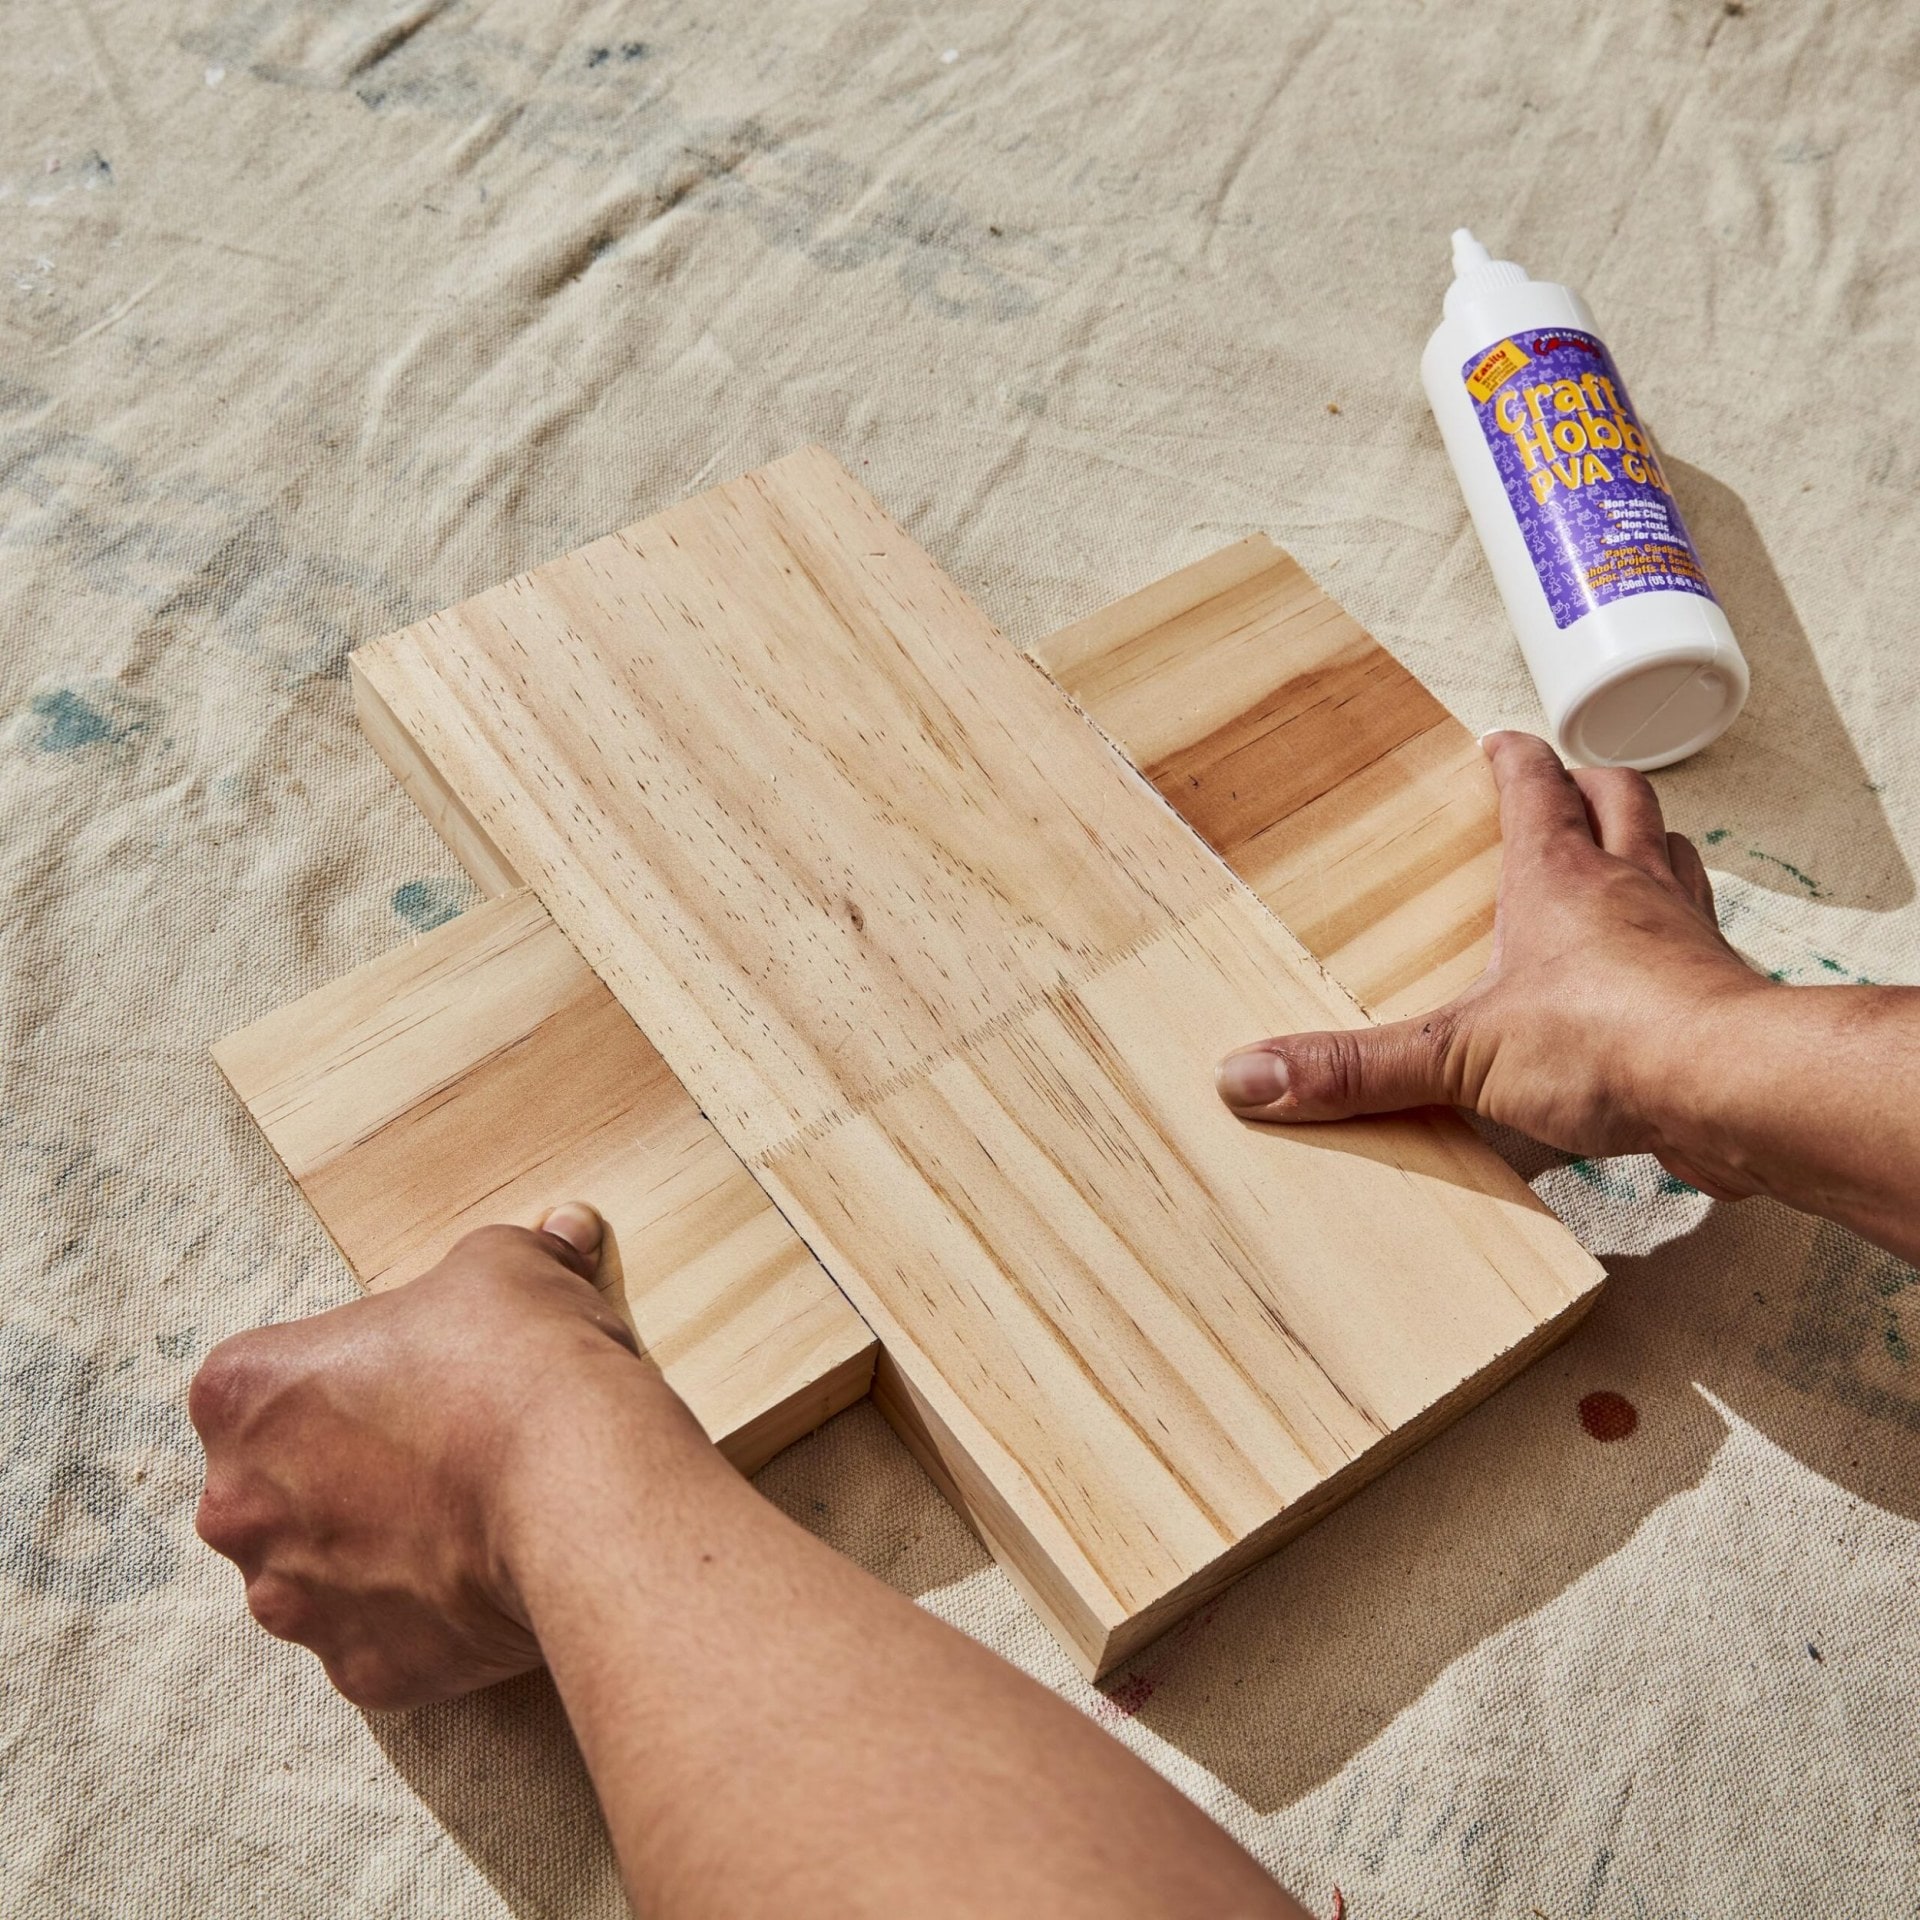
(1635,662)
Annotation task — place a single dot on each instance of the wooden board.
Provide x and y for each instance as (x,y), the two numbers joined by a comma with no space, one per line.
(484,1073)
(1374,846)
(1304,754)
(951,980)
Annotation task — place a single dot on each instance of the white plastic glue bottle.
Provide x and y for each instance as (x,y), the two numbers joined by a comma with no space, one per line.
(1635,662)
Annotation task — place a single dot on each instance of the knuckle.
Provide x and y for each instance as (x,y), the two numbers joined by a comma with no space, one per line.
(223,1385)
(1437,1032)
(225,1522)
(1637,787)
(1437,1038)
(212,1520)
(479,1241)
(366,1679)
(501,1250)
(1623,781)
(1339,1069)
(282,1607)
(495,1245)
(1535,762)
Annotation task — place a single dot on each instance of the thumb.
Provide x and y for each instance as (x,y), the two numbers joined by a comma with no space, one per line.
(580,1228)
(1330,1076)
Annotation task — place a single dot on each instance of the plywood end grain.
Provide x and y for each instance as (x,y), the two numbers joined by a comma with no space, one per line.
(483,1073)
(487,867)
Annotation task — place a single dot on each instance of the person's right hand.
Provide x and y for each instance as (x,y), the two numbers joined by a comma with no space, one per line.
(1608,972)
(371,1470)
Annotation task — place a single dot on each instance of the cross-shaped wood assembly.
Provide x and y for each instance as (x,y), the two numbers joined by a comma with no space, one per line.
(869,977)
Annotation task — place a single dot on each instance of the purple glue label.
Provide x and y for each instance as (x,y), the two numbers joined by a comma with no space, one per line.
(1599,518)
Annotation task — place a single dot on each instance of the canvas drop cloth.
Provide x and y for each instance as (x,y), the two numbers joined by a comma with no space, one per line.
(317,317)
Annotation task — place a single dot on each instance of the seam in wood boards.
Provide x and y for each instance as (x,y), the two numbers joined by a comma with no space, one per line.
(1056,996)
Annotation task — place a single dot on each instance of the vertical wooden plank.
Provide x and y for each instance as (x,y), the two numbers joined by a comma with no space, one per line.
(951,981)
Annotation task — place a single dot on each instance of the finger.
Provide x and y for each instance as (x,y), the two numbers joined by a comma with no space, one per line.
(1540,808)
(1691,871)
(580,1227)
(1331,1076)
(507,1249)
(1625,812)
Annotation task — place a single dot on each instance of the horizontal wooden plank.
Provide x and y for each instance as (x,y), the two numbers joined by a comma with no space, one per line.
(484,1073)
(1309,759)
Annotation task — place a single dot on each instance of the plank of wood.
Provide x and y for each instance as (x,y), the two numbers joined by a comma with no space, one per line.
(950,979)
(483,1073)
(1309,759)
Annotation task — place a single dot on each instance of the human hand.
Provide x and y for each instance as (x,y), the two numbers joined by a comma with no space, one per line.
(1608,977)
(367,1468)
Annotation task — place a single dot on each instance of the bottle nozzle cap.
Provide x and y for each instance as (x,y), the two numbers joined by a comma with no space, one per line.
(1476,272)
(1468,253)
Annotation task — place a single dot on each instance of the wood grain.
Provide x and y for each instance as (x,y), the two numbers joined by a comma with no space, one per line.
(775,787)
(950,978)
(483,1073)
(1309,759)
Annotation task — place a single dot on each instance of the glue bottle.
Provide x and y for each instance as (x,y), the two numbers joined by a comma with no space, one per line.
(1635,662)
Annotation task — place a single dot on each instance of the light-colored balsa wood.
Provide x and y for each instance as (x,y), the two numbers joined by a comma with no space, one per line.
(483,1073)
(1309,759)
(951,979)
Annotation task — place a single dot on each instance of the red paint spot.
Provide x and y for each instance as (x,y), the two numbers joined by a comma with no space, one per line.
(1339,1905)
(1609,1416)
(1130,1694)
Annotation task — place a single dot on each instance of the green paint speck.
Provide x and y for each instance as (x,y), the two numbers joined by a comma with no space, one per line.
(1787,867)
(1716,834)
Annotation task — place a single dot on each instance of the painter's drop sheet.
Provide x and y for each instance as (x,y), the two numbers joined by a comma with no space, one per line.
(317,317)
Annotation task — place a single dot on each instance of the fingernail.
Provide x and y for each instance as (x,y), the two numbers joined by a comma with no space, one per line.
(577,1224)
(1253,1078)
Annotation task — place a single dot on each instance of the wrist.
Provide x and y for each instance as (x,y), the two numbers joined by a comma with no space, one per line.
(607,1453)
(1692,1080)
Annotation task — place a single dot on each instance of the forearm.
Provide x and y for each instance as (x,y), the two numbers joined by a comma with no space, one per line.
(774,1732)
(1810,1095)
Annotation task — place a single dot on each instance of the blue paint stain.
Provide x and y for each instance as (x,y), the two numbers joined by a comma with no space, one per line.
(75,1520)
(68,722)
(426,904)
